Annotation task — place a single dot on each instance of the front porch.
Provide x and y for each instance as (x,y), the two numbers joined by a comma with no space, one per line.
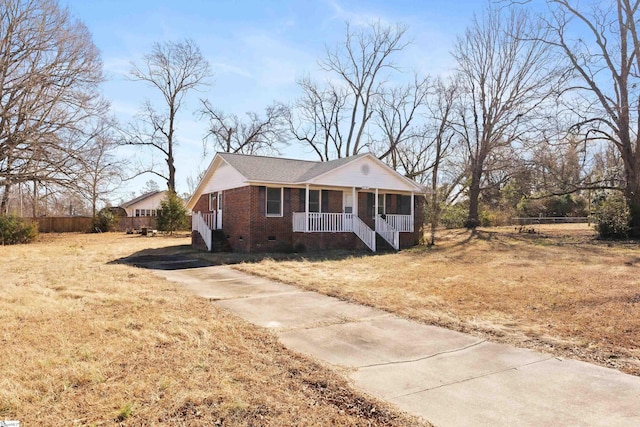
(388,226)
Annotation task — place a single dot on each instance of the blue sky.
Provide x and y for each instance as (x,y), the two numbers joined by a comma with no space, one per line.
(257,50)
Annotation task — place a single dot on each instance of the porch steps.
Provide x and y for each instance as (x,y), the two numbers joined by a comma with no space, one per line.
(382,246)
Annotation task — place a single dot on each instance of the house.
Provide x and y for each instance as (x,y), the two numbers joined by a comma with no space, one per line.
(145,205)
(259,204)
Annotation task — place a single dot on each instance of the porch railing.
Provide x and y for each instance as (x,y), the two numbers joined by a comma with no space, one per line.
(387,232)
(401,223)
(210,220)
(322,222)
(199,223)
(367,235)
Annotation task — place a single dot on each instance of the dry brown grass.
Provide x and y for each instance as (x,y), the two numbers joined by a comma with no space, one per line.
(87,342)
(557,290)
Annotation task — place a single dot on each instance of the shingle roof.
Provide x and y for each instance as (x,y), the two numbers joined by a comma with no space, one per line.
(140,198)
(276,169)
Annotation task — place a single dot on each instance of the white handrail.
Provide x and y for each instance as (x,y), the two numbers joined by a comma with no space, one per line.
(362,230)
(401,223)
(387,232)
(199,224)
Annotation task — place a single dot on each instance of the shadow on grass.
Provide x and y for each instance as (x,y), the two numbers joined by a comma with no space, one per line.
(184,256)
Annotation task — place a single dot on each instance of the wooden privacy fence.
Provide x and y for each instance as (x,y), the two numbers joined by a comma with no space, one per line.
(84,224)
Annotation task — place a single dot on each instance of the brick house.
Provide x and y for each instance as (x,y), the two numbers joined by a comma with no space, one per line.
(259,204)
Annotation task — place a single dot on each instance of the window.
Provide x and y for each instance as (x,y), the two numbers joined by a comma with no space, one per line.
(274,201)
(314,200)
(212,202)
(146,212)
(381,200)
(404,205)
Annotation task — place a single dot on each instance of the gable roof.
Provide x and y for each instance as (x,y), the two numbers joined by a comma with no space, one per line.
(280,170)
(277,170)
(140,198)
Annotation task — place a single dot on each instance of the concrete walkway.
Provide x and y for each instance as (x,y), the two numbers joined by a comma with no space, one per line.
(448,378)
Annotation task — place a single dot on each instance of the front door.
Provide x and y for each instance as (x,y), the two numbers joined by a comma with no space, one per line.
(347,202)
(219,211)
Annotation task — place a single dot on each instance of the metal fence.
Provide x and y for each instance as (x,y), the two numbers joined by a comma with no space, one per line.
(550,220)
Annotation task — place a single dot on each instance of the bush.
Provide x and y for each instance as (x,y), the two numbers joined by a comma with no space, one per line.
(172,215)
(454,216)
(15,230)
(105,221)
(612,216)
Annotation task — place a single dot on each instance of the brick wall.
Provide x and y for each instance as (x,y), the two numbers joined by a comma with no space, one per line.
(236,216)
(272,233)
(202,205)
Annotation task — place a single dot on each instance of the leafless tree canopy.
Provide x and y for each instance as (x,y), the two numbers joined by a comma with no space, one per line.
(254,135)
(173,69)
(49,73)
(605,58)
(506,74)
(333,117)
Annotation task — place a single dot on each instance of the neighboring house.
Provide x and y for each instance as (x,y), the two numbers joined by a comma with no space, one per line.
(145,205)
(258,204)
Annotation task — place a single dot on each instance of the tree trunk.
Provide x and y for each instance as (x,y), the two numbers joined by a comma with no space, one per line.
(4,204)
(473,219)
(632,194)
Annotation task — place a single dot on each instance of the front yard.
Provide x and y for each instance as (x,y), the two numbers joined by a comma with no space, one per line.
(555,288)
(84,341)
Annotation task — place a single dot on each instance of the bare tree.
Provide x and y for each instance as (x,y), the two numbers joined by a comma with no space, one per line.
(396,111)
(441,111)
(99,171)
(506,75)
(333,118)
(256,134)
(602,44)
(174,69)
(49,74)
(317,116)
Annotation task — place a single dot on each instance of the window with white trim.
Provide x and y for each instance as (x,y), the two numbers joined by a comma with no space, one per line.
(315,197)
(381,204)
(274,201)
(212,202)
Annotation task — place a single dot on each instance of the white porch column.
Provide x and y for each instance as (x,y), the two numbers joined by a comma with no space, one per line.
(354,203)
(375,209)
(413,219)
(306,209)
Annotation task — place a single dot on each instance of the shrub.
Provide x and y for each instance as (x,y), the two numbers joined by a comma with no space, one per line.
(612,216)
(172,215)
(454,216)
(105,221)
(15,230)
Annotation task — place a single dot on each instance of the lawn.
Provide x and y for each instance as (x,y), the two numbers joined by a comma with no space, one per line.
(85,341)
(552,288)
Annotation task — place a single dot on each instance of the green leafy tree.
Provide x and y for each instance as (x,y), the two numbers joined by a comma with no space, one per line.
(172,215)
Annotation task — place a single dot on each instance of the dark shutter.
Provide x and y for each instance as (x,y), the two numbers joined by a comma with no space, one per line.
(303,196)
(325,201)
(286,209)
(262,200)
